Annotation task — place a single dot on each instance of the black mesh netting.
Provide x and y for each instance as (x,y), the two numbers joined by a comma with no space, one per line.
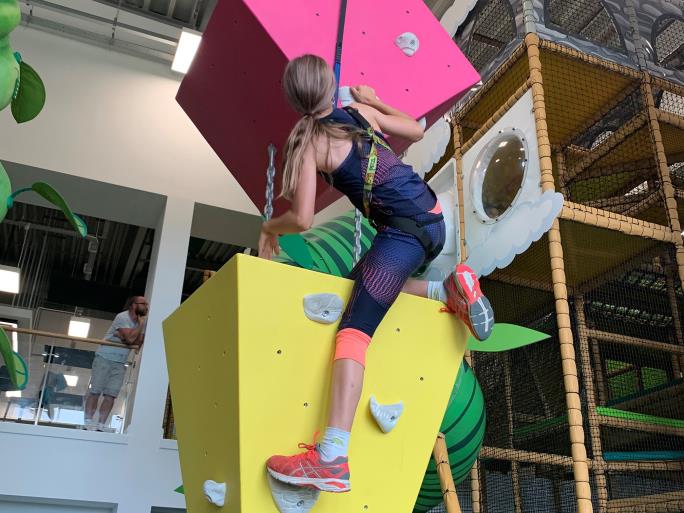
(494,28)
(588,19)
(668,40)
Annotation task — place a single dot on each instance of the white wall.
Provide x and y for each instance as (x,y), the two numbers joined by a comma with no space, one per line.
(113,118)
(134,471)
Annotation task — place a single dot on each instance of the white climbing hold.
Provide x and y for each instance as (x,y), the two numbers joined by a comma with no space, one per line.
(386,415)
(408,43)
(215,492)
(323,308)
(345,96)
(292,499)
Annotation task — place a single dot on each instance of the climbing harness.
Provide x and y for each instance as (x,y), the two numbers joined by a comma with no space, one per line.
(377,219)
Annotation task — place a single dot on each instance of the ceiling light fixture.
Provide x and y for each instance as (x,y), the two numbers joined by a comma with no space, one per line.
(79,327)
(9,279)
(185,52)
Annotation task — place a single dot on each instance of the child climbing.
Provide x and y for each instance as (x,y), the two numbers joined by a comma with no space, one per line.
(348,148)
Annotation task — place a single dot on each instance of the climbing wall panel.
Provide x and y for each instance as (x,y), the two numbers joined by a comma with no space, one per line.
(250,374)
(233,90)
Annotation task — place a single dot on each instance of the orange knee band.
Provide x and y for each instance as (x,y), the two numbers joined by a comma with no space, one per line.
(352,345)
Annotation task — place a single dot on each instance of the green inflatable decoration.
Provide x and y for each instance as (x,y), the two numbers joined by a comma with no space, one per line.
(20,85)
(23,88)
(463,428)
(17,370)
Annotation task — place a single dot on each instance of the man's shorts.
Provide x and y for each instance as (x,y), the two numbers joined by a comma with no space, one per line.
(107,377)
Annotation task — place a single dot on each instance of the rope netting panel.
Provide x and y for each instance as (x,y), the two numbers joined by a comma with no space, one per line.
(668,42)
(653,492)
(498,89)
(587,19)
(525,464)
(603,151)
(465,498)
(494,28)
(626,309)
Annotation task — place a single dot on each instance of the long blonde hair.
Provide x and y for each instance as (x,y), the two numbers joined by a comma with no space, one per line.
(309,85)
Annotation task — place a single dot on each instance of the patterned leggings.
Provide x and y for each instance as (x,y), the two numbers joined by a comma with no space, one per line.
(382,272)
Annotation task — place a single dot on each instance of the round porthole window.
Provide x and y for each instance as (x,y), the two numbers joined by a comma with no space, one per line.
(499,175)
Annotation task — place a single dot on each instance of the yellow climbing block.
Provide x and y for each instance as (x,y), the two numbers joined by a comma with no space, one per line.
(250,378)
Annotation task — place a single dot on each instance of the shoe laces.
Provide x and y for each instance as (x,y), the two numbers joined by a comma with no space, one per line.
(310,448)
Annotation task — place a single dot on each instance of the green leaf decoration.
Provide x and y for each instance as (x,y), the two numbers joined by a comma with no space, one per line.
(5,192)
(505,337)
(296,247)
(50,194)
(180,489)
(16,366)
(31,96)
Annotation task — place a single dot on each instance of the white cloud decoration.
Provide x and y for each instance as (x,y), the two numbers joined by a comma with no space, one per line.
(427,152)
(514,233)
(456,14)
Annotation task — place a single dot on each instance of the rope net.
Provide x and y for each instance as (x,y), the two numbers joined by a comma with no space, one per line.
(617,155)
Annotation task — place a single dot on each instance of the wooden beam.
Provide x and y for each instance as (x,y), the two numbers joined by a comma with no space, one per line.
(658,503)
(634,341)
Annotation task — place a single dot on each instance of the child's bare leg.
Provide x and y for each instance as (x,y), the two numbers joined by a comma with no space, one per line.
(347,382)
(416,287)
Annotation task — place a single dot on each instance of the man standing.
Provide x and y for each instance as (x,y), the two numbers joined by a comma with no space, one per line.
(107,376)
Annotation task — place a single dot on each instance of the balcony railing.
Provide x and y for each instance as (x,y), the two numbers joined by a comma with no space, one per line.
(59,381)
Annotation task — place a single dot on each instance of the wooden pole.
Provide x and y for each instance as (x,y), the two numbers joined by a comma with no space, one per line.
(637,425)
(594,428)
(677,362)
(497,453)
(657,503)
(508,389)
(611,221)
(580,466)
(458,155)
(446,480)
(663,172)
(634,341)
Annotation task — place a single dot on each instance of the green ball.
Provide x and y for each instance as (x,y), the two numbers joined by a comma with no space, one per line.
(464,428)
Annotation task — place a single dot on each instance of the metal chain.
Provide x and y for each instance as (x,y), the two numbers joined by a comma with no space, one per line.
(270,179)
(357,236)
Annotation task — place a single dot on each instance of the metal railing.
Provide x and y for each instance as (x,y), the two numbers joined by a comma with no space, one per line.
(59,381)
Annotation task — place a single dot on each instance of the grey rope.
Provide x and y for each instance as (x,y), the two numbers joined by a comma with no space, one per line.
(270,178)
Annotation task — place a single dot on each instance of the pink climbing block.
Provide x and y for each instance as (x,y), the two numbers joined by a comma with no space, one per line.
(233,90)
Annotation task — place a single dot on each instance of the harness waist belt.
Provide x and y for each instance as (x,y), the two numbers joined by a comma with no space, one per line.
(412,227)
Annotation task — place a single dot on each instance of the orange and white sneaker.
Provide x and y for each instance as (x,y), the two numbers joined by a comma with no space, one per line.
(465,299)
(309,471)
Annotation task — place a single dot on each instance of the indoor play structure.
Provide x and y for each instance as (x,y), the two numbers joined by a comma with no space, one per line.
(23,90)
(581,101)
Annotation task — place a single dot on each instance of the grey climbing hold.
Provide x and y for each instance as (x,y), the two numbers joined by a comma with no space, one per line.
(292,499)
(215,492)
(386,415)
(323,308)
(408,43)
